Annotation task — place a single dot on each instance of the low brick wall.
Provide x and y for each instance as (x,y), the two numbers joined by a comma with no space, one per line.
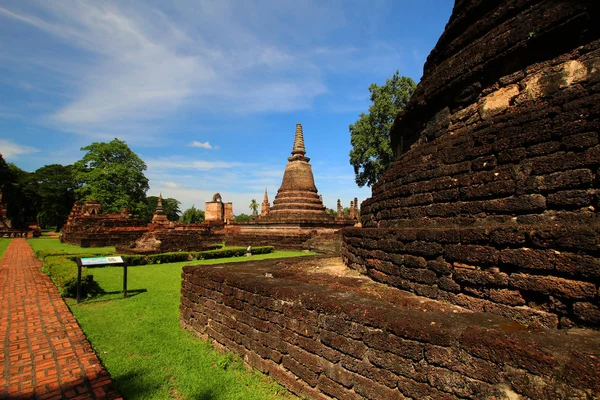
(348,337)
(281,235)
(533,274)
(102,239)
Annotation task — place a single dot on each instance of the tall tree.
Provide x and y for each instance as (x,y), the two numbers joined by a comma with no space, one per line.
(114,175)
(4,172)
(254,206)
(55,188)
(192,216)
(371,152)
(21,203)
(170,207)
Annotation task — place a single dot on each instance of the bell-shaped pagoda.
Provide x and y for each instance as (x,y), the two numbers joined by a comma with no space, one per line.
(160,216)
(297,200)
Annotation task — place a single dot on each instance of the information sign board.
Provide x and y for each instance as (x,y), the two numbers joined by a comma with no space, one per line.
(101,260)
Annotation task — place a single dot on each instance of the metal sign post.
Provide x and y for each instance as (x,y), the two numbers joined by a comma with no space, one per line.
(100,262)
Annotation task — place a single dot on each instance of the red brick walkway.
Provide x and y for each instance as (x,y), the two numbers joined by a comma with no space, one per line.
(46,355)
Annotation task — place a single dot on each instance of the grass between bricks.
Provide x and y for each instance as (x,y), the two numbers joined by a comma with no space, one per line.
(4,242)
(148,355)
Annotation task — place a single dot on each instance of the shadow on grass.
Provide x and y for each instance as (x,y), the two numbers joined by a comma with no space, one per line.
(116,295)
(131,386)
(130,293)
(206,394)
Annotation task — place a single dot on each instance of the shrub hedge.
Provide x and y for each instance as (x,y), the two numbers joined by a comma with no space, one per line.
(62,268)
(43,254)
(193,255)
(63,272)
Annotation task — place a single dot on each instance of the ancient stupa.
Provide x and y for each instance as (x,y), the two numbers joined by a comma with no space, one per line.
(297,200)
(160,216)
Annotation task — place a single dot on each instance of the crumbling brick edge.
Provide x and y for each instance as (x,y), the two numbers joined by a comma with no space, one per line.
(322,343)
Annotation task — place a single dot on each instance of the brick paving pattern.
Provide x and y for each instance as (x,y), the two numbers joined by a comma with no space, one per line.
(46,355)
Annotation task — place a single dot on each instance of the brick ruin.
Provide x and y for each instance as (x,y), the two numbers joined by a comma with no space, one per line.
(297,219)
(297,199)
(492,203)
(160,216)
(478,243)
(87,226)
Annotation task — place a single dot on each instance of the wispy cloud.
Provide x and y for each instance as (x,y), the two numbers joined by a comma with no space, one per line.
(177,163)
(10,149)
(143,63)
(133,63)
(173,185)
(202,145)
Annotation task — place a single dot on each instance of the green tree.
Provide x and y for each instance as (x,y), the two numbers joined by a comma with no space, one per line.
(21,202)
(254,207)
(242,218)
(4,172)
(55,188)
(114,175)
(192,216)
(170,207)
(371,152)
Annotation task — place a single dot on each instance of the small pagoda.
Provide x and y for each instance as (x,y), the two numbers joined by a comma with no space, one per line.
(160,216)
(297,200)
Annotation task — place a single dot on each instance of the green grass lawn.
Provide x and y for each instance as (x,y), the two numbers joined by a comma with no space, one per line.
(55,244)
(147,353)
(3,245)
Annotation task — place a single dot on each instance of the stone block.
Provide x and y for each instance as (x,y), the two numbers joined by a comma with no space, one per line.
(472,254)
(347,346)
(551,285)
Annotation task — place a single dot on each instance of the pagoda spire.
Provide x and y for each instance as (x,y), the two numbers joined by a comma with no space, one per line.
(159,206)
(298,151)
(297,199)
(299,141)
(160,216)
(265,206)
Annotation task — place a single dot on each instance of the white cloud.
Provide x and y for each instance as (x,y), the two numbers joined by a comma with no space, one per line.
(182,164)
(202,145)
(138,64)
(173,185)
(132,64)
(9,149)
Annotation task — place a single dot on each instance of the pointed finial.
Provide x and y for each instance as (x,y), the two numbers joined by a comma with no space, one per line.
(299,141)
(266,199)
(159,205)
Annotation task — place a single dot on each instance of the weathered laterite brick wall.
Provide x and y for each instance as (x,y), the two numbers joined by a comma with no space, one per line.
(105,237)
(493,201)
(331,337)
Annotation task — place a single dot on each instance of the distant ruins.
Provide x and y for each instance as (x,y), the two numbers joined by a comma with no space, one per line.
(87,226)
(480,241)
(297,216)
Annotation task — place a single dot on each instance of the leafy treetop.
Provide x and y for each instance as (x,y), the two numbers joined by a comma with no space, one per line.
(170,207)
(112,174)
(371,152)
(192,216)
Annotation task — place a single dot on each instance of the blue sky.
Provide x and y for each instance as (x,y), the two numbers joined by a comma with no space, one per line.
(207,93)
